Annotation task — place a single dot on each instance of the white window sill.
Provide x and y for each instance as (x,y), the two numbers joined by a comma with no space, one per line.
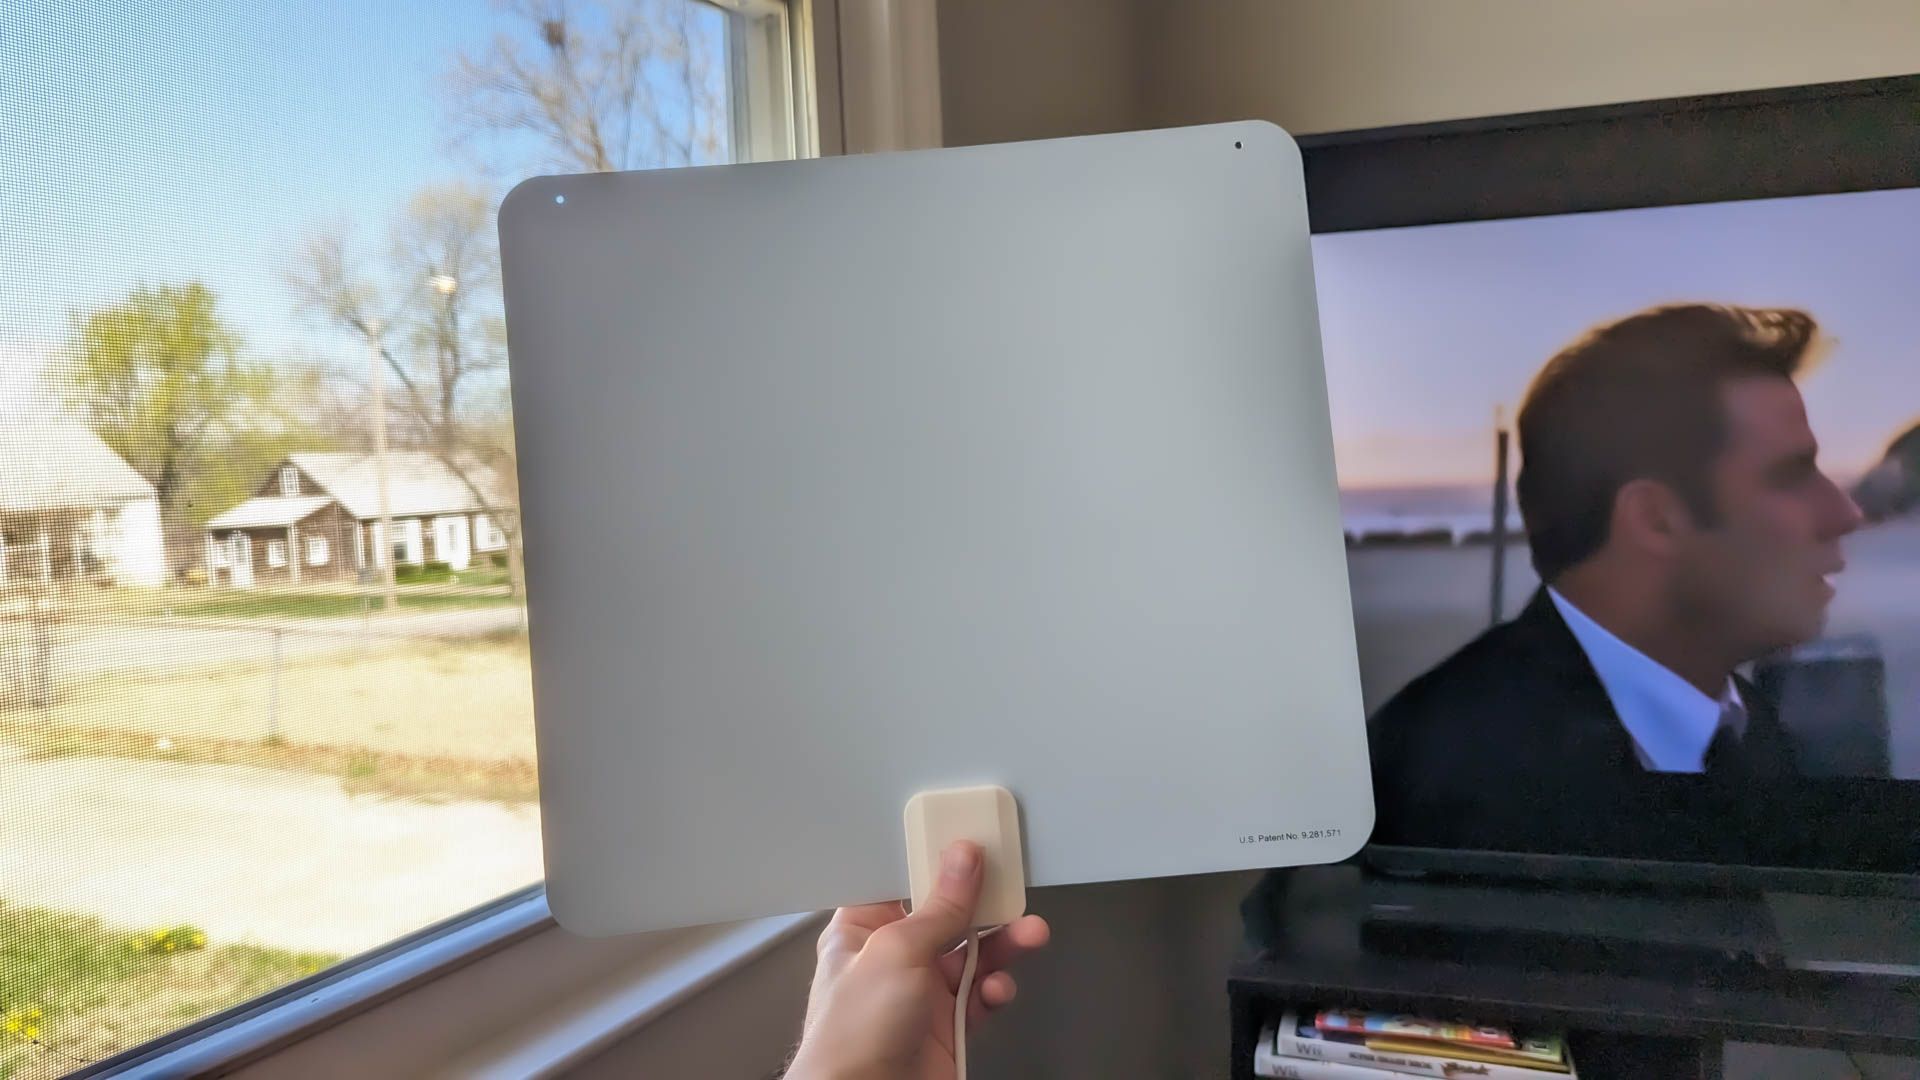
(501,991)
(580,1028)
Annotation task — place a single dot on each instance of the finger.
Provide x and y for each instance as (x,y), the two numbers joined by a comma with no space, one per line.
(946,914)
(990,995)
(840,941)
(870,917)
(1016,939)
(997,989)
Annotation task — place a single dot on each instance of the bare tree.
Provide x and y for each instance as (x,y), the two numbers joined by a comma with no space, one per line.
(435,320)
(598,85)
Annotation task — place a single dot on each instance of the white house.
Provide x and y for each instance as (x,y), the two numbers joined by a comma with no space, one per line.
(71,508)
(316,517)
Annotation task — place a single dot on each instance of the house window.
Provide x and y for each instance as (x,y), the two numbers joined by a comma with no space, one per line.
(223,346)
(409,544)
(487,535)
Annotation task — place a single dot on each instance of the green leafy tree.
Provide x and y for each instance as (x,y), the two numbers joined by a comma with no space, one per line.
(160,377)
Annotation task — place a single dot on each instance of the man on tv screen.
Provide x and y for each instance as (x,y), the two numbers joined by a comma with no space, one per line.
(1681,528)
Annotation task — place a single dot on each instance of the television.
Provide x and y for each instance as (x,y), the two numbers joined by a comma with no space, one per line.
(1664,356)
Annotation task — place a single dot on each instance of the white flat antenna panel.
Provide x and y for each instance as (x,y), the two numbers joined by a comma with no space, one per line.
(852,478)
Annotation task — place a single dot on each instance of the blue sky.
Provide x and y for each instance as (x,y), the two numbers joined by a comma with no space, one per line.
(149,143)
(159,143)
(156,143)
(1428,329)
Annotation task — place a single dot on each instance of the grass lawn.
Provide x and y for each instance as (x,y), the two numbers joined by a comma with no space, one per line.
(268,604)
(437,719)
(476,588)
(74,990)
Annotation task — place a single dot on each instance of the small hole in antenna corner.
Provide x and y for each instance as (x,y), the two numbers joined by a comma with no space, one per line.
(1236,146)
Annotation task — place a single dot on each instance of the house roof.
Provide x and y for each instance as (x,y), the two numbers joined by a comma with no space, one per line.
(418,483)
(269,510)
(52,463)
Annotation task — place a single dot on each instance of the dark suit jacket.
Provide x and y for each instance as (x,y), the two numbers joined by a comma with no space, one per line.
(1512,744)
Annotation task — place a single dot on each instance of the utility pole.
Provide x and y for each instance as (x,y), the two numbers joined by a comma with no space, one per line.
(383,551)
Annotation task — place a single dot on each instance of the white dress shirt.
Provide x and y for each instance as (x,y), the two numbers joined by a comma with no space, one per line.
(1670,721)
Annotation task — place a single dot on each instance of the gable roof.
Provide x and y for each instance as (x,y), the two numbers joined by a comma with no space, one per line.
(418,483)
(53,463)
(269,510)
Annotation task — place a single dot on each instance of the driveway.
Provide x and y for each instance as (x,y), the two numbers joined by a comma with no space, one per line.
(248,854)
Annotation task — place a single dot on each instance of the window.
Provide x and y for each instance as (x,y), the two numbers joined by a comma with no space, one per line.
(487,535)
(409,549)
(240,215)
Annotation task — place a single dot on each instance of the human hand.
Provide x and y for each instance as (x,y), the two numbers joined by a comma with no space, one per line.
(885,988)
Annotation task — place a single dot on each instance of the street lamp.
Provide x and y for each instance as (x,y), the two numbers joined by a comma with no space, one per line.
(444,284)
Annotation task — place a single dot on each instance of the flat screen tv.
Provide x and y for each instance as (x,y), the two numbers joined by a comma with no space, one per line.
(1626,407)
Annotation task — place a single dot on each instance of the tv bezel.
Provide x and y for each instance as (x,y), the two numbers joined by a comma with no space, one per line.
(1828,138)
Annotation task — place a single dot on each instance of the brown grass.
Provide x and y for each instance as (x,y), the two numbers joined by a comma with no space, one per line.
(442,720)
(470,699)
(359,769)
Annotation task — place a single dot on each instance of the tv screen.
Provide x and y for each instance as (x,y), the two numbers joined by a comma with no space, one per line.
(1632,503)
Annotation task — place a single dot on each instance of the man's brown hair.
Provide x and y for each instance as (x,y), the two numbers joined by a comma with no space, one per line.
(1639,398)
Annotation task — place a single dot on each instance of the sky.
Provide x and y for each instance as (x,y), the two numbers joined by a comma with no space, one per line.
(1427,330)
(149,143)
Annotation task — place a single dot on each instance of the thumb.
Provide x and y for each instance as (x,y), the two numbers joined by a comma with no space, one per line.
(948,911)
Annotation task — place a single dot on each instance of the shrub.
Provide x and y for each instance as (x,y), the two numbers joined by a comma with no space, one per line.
(433,573)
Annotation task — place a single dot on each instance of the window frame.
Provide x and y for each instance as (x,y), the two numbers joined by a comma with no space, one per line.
(795,86)
(769,79)
(276,554)
(517,933)
(320,545)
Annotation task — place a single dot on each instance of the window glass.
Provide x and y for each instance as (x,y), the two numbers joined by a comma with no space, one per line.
(249,311)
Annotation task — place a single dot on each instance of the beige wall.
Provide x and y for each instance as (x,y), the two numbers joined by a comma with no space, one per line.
(1032,69)
(1328,65)
(1038,69)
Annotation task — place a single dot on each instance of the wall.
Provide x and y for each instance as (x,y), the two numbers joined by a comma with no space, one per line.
(1328,65)
(1038,69)
(138,557)
(1047,68)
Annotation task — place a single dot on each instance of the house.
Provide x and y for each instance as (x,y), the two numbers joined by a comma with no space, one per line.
(72,509)
(316,517)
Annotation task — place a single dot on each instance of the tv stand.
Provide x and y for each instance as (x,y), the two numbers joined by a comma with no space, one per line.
(1645,984)
(1589,929)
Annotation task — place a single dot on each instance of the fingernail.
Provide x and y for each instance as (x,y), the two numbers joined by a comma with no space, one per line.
(959,861)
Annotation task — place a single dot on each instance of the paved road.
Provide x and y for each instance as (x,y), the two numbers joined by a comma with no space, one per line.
(248,854)
(160,645)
